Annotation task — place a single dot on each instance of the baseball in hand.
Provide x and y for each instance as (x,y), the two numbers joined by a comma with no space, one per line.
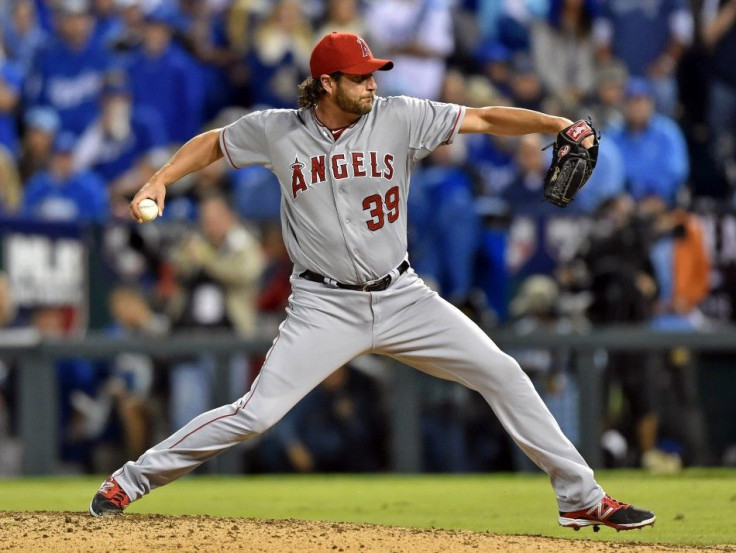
(148,209)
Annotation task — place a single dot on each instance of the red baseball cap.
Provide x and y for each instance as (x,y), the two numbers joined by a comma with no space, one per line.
(347,53)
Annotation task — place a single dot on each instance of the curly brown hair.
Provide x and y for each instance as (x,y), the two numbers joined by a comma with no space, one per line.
(311,90)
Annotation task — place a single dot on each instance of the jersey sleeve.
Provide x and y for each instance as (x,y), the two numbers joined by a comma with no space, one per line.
(431,124)
(244,142)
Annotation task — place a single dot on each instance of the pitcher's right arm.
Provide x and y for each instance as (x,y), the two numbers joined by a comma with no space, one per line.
(196,154)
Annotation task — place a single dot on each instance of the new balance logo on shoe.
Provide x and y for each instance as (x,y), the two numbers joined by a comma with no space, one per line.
(601,511)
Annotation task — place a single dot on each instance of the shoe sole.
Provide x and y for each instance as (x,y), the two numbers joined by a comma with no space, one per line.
(104,513)
(578,523)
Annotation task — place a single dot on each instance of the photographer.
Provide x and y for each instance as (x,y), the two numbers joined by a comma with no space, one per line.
(615,265)
(682,267)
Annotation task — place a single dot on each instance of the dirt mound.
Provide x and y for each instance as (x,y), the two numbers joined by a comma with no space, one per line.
(46,531)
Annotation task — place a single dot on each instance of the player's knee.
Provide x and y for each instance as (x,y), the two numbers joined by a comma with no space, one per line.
(513,364)
(498,371)
(263,422)
(508,367)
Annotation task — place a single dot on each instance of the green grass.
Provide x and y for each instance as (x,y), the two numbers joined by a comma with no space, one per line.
(697,507)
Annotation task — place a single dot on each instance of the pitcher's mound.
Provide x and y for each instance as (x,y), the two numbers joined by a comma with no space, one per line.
(59,532)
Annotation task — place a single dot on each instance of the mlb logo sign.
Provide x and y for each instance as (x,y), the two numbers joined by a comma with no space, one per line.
(579,131)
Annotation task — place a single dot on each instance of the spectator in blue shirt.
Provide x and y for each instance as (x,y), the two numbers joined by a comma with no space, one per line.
(652,146)
(526,190)
(444,230)
(68,71)
(121,144)
(495,60)
(108,22)
(22,33)
(527,90)
(62,194)
(607,181)
(203,31)
(508,20)
(650,38)
(256,193)
(10,90)
(278,62)
(164,77)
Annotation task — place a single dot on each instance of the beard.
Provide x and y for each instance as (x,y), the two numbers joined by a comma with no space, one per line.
(350,105)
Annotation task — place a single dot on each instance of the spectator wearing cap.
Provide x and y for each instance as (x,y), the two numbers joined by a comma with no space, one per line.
(122,143)
(63,194)
(418,36)
(495,60)
(68,72)
(527,90)
(652,146)
(650,38)
(166,78)
(508,21)
(41,124)
(11,80)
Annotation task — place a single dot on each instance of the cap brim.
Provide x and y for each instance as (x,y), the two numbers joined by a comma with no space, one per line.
(368,66)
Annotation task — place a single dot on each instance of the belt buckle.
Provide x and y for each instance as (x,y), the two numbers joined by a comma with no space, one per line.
(378,285)
(367,287)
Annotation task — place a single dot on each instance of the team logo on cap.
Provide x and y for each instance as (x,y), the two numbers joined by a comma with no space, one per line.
(364,47)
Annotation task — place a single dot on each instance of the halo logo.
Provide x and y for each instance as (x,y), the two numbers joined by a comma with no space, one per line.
(364,47)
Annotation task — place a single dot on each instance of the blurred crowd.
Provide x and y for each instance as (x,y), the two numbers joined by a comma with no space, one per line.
(95,95)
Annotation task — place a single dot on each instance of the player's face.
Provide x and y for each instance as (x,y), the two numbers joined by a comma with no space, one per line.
(356,93)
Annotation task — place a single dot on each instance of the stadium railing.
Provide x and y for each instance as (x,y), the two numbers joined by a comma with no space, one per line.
(37,392)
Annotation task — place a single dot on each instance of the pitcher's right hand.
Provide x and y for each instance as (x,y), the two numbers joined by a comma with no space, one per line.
(156,191)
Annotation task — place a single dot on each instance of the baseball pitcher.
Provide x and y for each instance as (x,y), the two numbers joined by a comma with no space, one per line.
(343,161)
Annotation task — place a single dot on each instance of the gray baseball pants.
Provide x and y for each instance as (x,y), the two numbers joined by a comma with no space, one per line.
(325,328)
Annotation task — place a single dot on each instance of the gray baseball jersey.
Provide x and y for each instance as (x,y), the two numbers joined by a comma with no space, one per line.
(343,207)
(344,216)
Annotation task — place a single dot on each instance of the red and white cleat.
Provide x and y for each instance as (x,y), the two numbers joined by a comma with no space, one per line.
(110,499)
(608,512)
